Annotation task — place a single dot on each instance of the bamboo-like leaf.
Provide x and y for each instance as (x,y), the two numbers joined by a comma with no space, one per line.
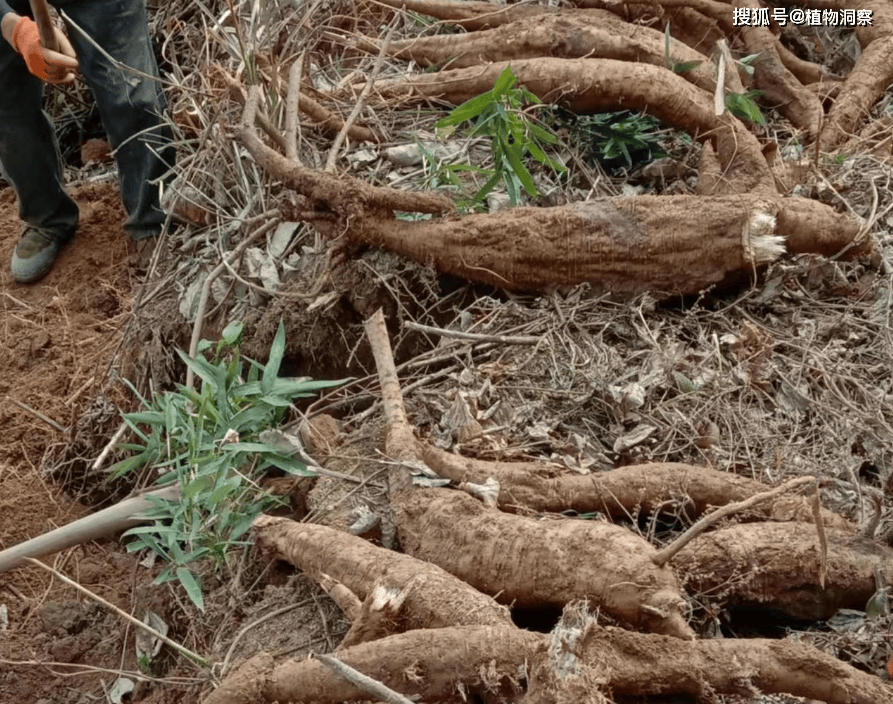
(505,81)
(487,187)
(468,110)
(686,66)
(744,107)
(187,579)
(277,352)
(542,135)
(232,332)
(520,170)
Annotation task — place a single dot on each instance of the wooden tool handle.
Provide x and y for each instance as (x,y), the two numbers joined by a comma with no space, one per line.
(41,12)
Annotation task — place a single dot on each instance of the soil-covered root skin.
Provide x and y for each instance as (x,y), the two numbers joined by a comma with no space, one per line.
(434,598)
(640,663)
(578,662)
(776,565)
(432,664)
(535,563)
(539,486)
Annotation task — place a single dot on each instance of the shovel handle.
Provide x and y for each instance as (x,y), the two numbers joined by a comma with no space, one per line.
(41,12)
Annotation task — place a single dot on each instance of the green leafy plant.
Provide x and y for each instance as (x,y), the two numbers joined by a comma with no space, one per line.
(499,113)
(743,106)
(145,665)
(619,139)
(747,63)
(440,174)
(216,443)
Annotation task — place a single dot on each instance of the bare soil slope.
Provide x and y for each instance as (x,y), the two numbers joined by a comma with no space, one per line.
(58,337)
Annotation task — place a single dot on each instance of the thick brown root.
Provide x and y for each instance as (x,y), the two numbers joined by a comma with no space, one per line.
(542,563)
(538,486)
(637,244)
(777,565)
(568,35)
(579,659)
(432,597)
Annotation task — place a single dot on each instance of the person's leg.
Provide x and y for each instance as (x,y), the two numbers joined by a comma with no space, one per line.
(130,106)
(30,159)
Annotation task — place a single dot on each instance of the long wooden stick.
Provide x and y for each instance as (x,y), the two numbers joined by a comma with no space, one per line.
(41,12)
(125,514)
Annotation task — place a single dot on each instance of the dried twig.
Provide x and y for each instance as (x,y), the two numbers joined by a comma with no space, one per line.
(110,445)
(291,112)
(339,140)
(367,684)
(37,414)
(477,337)
(197,659)
(206,290)
(664,556)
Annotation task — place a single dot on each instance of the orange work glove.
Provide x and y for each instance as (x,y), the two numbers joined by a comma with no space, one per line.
(47,65)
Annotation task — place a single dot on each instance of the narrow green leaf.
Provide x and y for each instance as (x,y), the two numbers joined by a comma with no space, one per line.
(241,526)
(166,575)
(466,111)
(541,134)
(232,332)
(202,369)
(277,351)
(288,387)
(147,417)
(505,81)
(249,418)
(744,107)
(145,530)
(521,172)
(126,466)
(686,66)
(247,447)
(487,187)
(140,434)
(225,489)
(276,401)
(197,486)
(629,159)
(528,96)
(537,153)
(286,464)
(136,393)
(513,188)
(192,588)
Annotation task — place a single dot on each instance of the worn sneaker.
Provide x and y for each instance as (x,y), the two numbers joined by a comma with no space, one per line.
(34,256)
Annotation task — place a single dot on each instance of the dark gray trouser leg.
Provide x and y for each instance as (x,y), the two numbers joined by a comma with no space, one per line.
(29,153)
(130,106)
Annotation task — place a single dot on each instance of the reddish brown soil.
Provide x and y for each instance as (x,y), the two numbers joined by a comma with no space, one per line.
(58,337)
